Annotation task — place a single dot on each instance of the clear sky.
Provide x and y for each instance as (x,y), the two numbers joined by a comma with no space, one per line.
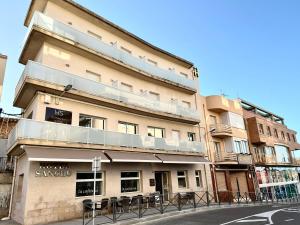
(243,48)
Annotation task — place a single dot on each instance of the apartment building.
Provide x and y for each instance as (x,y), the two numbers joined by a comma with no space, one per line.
(228,146)
(3,59)
(273,146)
(89,89)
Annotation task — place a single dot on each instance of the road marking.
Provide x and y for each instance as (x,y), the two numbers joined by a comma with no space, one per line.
(289,220)
(254,220)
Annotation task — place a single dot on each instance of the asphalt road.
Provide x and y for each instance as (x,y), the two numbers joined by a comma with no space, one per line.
(256,215)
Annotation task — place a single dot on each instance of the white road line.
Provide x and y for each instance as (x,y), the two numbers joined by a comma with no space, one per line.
(289,220)
(254,220)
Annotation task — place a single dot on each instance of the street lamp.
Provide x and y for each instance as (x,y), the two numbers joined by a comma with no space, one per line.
(67,88)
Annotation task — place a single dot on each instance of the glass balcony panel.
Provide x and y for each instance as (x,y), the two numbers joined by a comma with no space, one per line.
(44,73)
(66,31)
(49,131)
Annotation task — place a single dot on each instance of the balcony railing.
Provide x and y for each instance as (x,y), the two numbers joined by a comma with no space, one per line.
(6,164)
(66,31)
(217,129)
(234,157)
(49,131)
(50,75)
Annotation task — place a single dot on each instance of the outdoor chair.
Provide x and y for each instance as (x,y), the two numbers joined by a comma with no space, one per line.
(103,206)
(87,206)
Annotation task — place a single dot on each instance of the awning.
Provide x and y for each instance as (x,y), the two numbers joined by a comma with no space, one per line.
(182,159)
(52,154)
(119,156)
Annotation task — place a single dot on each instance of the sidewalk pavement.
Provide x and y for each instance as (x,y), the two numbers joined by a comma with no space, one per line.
(143,220)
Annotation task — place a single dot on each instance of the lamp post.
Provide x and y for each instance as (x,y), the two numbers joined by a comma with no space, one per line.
(67,88)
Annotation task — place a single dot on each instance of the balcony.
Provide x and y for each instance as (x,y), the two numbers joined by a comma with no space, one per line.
(39,76)
(55,134)
(221,130)
(233,158)
(77,38)
(6,164)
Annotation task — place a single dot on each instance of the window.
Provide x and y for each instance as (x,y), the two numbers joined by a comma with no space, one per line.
(241,146)
(282,135)
(217,147)
(186,104)
(294,137)
(269,131)
(191,136)
(288,136)
(85,184)
(126,87)
(183,75)
(260,128)
(182,179)
(58,116)
(213,120)
(154,96)
(126,50)
(275,132)
(175,135)
(127,128)
(130,181)
(91,121)
(282,154)
(20,187)
(94,35)
(152,62)
(198,176)
(93,76)
(156,132)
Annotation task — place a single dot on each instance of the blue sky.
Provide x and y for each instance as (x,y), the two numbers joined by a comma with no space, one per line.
(248,49)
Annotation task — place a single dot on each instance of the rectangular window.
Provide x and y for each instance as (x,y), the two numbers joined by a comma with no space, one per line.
(152,62)
(126,50)
(58,116)
(126,87)
(85,184)
(282,135)
(288,136)
(182,179)
(260,128)
(127,128)
(275,132)
(198,176)
(213,120)
(294,138)
(156,132)
(91,121)
(154,96)
(191,136)
(217,147)
(183,75)
(186,104)
(94,35)
(130,181)
(93,76)
(269,131)
(238,146)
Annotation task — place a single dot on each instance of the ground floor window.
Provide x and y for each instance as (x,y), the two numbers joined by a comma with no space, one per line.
(198,176)
(85,183)
(130,181)
(182,179)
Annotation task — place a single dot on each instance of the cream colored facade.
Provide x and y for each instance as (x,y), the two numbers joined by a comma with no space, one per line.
(228,145)
(114,77)
(3,59)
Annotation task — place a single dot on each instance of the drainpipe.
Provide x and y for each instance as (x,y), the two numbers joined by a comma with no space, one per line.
(12,187)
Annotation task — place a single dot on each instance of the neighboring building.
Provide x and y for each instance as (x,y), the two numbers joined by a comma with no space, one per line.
(3,59)
(228,146)
(90,88)
(272,144)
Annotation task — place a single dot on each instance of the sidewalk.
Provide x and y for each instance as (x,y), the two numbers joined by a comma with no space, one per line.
(155,217)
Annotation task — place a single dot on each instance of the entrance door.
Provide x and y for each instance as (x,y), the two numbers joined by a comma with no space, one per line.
(162,184)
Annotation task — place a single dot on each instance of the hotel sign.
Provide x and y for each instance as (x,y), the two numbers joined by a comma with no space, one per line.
(53,170)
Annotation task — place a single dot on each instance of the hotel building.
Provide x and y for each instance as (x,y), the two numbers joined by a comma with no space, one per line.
(274,147)
(90,88)
(228,146)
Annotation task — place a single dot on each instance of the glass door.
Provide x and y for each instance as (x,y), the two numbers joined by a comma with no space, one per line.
(165,182)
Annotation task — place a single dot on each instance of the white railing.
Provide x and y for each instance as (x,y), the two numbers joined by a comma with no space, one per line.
(66,31)
(49,131)
(47,74)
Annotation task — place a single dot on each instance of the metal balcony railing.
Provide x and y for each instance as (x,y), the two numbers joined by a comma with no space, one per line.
(220,129)
(47,74)
(49,131)
(66,31)
(234,157)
